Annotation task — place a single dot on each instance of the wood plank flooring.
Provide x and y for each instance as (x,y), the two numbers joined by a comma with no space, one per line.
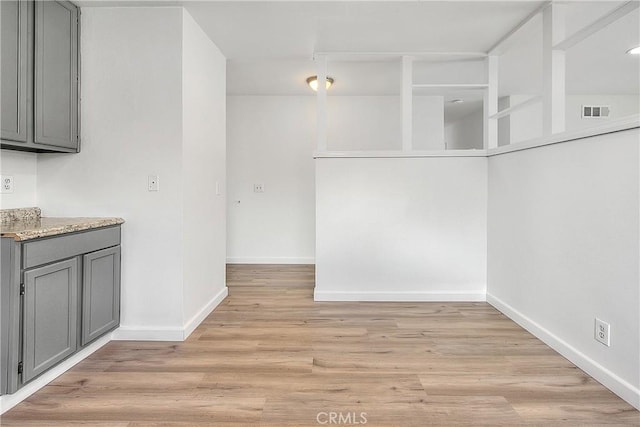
(271,356)
(283,275)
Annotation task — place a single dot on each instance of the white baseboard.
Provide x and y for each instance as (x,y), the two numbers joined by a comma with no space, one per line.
(169,333)
(399,296)
(271,260)
(145,333)
(619,386)
(193,323)
(8,401)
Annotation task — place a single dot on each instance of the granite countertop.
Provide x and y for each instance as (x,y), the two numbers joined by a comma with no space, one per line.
(26,223)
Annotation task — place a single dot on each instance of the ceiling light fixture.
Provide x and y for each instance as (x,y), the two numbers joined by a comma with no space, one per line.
(634,51)
(457,101)
(313,82)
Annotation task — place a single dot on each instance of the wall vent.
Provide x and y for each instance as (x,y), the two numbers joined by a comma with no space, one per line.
(595,111)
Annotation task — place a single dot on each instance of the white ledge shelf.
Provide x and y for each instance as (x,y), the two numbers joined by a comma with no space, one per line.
(450,86)
(397,154)
(616,125)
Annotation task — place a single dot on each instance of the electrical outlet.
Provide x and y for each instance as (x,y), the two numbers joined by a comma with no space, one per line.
(602,332)
(258,188)
(154,183)
(7,184)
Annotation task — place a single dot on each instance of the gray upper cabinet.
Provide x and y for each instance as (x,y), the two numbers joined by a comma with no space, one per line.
(40,69)
(100,293)
(56,74)
(50,316)
(14,70)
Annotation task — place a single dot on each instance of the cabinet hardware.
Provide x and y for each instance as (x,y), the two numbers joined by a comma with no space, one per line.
(20,368)
(22,288)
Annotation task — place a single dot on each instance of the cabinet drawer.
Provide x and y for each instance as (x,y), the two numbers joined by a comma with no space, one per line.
(69,245)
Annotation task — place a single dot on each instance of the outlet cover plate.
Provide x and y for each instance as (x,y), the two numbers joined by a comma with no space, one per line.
(7,184)
(602,332)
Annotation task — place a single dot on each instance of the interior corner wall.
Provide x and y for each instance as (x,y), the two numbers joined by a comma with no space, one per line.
(203,166)
(563,249)
(131,127)
(23,168)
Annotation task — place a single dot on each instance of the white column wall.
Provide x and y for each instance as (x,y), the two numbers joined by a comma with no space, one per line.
(401,229)
(204,173)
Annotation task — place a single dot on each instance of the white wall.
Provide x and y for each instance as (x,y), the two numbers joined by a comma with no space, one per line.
(23,167)
(203,165)
(621,106)
(132,127)
(401,228)
(564,249)
(525,124)
(357,123)
(504,124)
(271,140)
(428,123)
(363,123)
(466,133)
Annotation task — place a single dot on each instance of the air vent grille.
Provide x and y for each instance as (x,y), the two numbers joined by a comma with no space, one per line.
(595,111)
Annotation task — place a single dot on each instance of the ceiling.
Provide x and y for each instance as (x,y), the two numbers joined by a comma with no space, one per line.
(270,44)
(285,30)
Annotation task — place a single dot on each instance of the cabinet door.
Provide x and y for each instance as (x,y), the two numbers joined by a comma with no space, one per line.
(50,316)
(101,293)
(14,72)
(56,74)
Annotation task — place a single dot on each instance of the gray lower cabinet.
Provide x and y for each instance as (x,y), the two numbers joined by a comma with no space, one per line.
(100,293)
(40,76)
(49,316)
(58,295)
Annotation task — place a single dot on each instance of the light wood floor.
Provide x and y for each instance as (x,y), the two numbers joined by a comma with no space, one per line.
(271,356)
